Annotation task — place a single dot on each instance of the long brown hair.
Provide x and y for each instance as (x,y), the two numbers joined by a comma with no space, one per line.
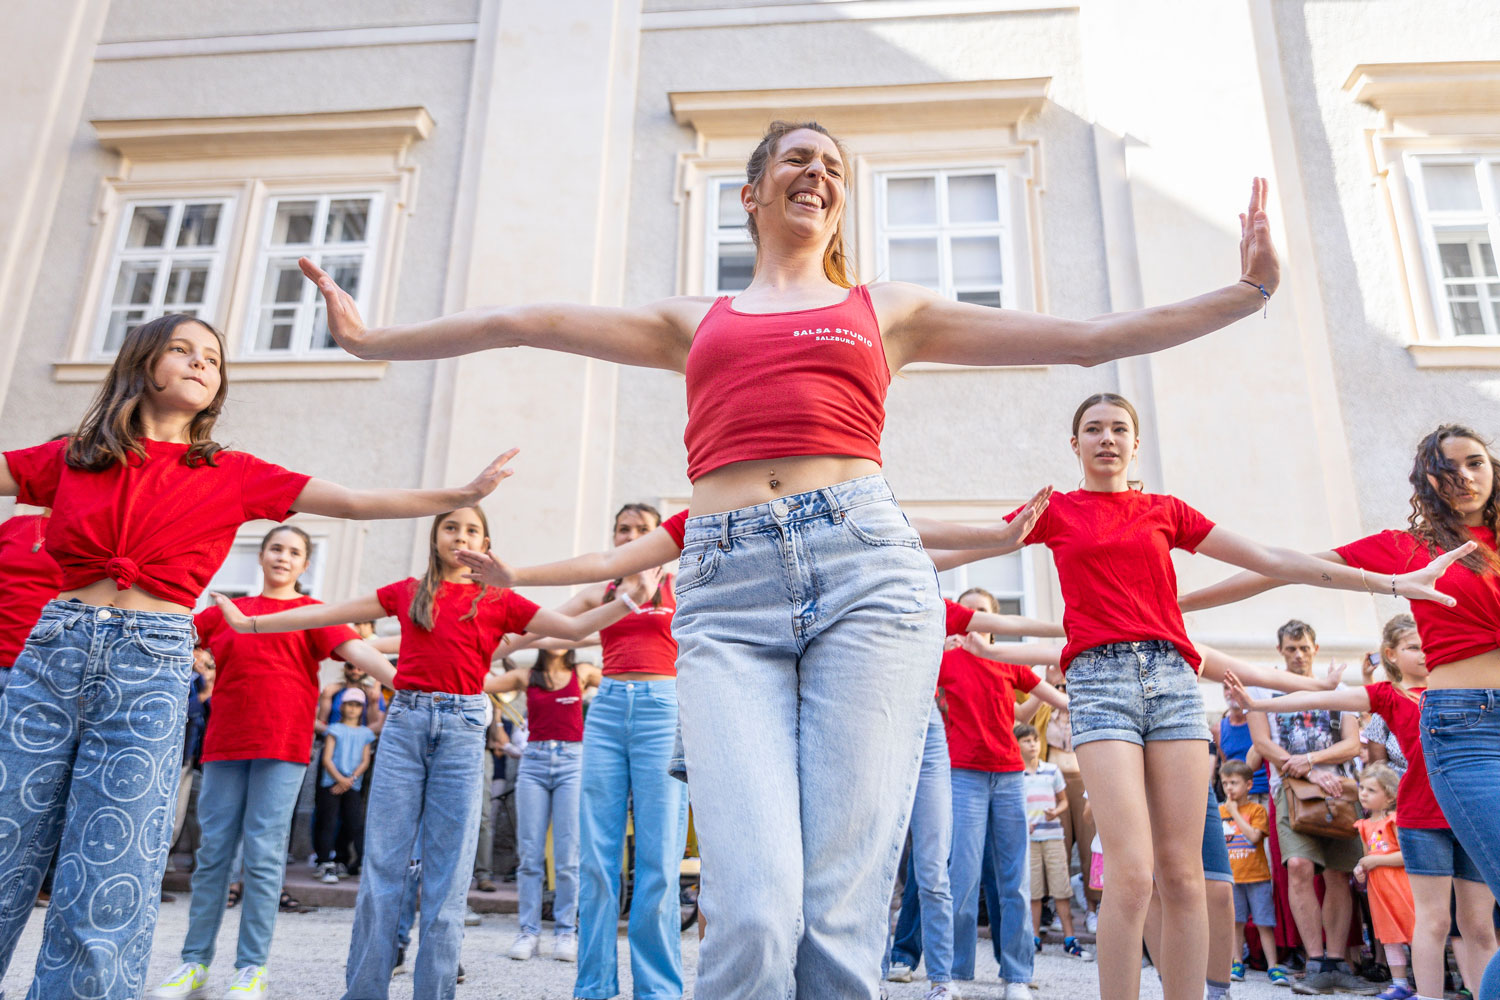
(1390,638)
(544,657)
(1433,519)
(655,515)
(837,265)
(111,430)
(423,600)
(1113,399)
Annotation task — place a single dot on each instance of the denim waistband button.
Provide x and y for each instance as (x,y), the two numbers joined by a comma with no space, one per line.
(104,615)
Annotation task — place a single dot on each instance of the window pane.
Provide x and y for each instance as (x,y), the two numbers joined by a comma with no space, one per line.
(148,225)
(199,226)
(275,333)
(981,298)
(1486,259)
(186,283)
(1466,318)
(121,322)
(730,212)
(1451,187)
(347,220)
(137,278)
(973,199)
(284,283)
(736,266)
(322,340)
(911,201)
(915,260)
(293,222)
(976,260)
(1455,260)
(345,271)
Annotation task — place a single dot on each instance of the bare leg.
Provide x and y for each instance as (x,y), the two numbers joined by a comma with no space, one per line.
(1115,773)
(1222,944)
(1306,910)
(1475,906)
(1267,942)
(1177,772)
(1429,894)
(1338,906)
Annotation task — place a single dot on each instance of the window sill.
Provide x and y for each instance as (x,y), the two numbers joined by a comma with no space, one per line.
(1457,354)
(251,370)
(943,366)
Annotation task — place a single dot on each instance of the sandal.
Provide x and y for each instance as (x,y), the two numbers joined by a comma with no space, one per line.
(236,890)
(290,904)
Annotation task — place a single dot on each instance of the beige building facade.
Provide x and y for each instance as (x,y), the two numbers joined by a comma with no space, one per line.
(1076,158)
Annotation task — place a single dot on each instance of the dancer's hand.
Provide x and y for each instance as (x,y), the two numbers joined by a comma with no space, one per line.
(1014,534)
(1422,584)
(493,474)
(233,616)
(642,588)
(344,322)
(486,568)
(1335,676)
(1258,262)
(1235,690)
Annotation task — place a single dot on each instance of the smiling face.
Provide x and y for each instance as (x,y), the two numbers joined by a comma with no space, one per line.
(187,374)
(799,199)
(283,558)
(1475,482)
(459,529)
(1106,442)
(633,524)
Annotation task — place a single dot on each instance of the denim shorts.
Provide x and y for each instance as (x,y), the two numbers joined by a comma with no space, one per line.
(1215,850)
(1134,691)
(1255,900)
(1437,853)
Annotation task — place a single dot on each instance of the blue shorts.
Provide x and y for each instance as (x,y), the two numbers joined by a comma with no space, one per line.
(1437,853)
(1135,692)
(1256,901)
(1215,849)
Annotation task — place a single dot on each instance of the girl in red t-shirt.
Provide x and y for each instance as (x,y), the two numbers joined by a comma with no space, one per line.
(427,775)
(1137,716)
(145,506)
(1455,515)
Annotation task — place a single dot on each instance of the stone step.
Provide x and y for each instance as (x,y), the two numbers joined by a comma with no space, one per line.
(302,882)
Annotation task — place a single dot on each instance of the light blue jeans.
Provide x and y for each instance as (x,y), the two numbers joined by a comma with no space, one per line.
(91,728)
(424,779)
(810,632)
(995,802)
(931,846)
(253,799)
(547,784)
(1461,743)
(627,744)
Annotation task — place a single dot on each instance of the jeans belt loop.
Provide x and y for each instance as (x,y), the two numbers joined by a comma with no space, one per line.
(724,532)
(835,509)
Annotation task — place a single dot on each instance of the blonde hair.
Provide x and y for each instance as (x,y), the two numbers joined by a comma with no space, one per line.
(1390,638)
(1385,776)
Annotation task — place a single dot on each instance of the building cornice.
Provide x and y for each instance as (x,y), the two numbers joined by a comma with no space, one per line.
(1430,96)
(380,130)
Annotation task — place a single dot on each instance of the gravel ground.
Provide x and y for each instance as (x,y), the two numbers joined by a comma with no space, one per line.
(307,963)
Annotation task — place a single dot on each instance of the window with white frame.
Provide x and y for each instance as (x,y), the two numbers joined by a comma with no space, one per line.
(337,232)
(168,257)
(240,575)
(945,230)
(1459,202)
(730,253)
(1004,576)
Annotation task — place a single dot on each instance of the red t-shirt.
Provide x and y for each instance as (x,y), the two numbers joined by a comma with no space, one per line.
(1416,806)
(157,523)
(643,643)
(958,617)
(676,526)
(555,715)
(265,695)
(1114,563)
(29,578)
(454,657)
(982,710)
(1468,629)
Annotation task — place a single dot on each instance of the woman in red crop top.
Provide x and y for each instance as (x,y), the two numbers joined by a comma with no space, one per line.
(429,763)
(548,785)
(801,501)
(145,506)
(1455,509)
(1137,716)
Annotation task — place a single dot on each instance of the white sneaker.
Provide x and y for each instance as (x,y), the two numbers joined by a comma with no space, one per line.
(524,947)
(1092,922)
(900,973)
(247,982)
(1018,991)
(189,980)
(941,991)
(471,919)
(565,947)
(327,873)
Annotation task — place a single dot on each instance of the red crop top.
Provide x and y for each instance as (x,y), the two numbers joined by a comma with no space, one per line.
(555,715)
(768,385)
(642,643)
(157,522)
(1448,634)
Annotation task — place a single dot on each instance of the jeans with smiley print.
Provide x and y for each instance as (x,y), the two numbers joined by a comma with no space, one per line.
(91,728)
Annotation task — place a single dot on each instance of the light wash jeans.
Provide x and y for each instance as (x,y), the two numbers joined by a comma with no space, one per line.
(91,729)
(810,632)
(931,845)
(627,744)
(907,945)
(1461,743)
(424,780)
(989,814)
(253,799)
(547,785)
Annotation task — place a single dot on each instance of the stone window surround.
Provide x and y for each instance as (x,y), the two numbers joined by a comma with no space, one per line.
(251,159)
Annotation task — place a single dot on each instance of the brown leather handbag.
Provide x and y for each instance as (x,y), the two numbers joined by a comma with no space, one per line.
(1313,813)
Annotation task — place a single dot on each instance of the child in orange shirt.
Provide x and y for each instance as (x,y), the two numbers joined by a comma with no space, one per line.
(1246,826)
(1384,872)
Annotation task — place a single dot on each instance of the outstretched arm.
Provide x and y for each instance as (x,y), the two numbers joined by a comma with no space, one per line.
(653,549)
(320,496)
(366,657)
(919,325)
(361,609)
(1034,654)
(984,621)
(1218,665)
(981,542)
(651,336)
(1347,699)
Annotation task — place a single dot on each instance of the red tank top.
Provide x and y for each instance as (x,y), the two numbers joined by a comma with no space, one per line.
(810,382)
(643,643)
(555,715)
